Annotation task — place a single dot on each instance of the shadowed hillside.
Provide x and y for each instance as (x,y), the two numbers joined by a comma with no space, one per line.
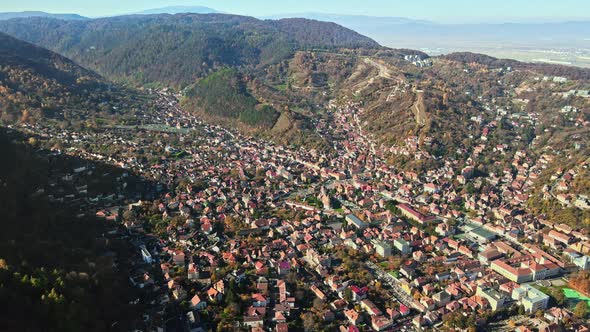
(58,262)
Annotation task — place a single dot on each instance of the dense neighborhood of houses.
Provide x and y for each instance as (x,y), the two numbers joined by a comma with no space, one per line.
(252,235)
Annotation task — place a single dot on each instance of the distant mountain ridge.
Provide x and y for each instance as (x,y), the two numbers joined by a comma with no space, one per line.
(350,19)
(178,10)
(25,14)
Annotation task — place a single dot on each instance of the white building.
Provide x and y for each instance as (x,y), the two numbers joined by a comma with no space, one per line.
(494,297)
(382,248)
(147,257)
(531,298)
(583,262)
(402,245)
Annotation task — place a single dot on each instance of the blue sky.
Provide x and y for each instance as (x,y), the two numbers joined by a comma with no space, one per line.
(436,10)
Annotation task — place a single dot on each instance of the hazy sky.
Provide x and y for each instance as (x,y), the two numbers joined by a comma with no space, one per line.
(437,10)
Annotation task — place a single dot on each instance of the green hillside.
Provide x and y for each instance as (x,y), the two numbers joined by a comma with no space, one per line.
(224,94)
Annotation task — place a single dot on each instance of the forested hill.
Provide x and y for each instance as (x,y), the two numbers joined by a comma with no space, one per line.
(178,49)
(22,55)
(36,83)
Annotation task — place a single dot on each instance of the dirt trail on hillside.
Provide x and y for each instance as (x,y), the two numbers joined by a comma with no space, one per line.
(383,70)
(283,124)
(419,109)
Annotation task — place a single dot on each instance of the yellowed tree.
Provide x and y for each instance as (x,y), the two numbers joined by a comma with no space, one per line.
(25,116)
(378,285)
(581,310)
(417,296)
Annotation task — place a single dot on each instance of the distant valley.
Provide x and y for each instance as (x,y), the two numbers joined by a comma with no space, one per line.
(560,43)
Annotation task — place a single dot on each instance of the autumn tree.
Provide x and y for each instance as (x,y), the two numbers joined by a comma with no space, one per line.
(581,310)
(310,322)
(581,281)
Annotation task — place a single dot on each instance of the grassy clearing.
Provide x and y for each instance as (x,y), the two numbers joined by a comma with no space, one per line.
(575,296)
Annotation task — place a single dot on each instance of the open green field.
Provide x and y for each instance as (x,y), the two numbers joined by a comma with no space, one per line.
(574,295)
(281,87)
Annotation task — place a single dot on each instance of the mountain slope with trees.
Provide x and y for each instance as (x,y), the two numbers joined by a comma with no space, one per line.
(176,50)
(224,94)
(36,84)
